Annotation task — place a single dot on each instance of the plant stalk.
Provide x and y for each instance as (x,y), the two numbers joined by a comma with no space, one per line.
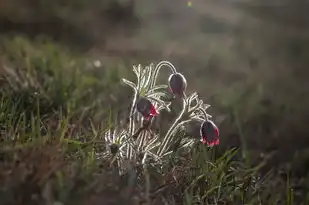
(131,124)
(169,135)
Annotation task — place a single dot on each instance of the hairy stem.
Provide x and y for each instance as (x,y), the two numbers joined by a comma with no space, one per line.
(169,135)
(131,124)
(157,69)
(205,114)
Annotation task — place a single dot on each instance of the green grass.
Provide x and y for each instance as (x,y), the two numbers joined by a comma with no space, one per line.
(55,110)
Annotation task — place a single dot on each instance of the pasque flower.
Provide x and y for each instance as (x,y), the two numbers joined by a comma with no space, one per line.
(177,83)
(146,108)
(209,133)
(148,99)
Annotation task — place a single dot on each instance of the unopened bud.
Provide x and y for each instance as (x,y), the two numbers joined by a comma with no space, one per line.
(177,84)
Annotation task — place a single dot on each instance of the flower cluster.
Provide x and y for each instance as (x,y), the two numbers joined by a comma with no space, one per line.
(209,132)
(149,99)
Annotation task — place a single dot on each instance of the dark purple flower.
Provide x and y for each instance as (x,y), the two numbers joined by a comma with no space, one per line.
(209,133)
(177,84)
(146,108)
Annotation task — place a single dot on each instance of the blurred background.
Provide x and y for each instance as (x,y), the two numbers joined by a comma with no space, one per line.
(247,58)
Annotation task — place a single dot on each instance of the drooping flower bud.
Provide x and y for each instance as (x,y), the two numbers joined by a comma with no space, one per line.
(177,84)
(146,108)
(209,133)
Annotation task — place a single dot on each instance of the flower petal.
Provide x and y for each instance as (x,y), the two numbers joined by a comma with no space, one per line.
(211,143)
(146,108)
(153,111)
(209,133)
